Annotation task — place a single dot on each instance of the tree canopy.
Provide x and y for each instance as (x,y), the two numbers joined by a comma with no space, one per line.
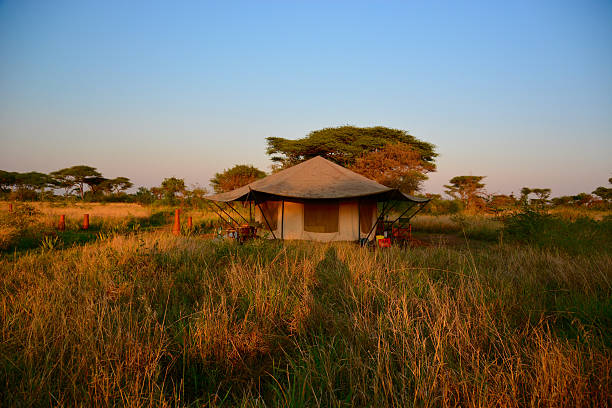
(344,145)
(542,194)
(392,157)
(395,165)
(172,186)
(75,177)
(235,177)
(603,192)
(468,189)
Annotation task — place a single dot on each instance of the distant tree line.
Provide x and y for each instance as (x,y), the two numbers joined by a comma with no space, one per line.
(391,157)
(82,181)
(467,193)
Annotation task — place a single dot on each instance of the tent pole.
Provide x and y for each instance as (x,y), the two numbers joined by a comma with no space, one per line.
(377,219)
(236,211)
(221,217)
(283,220)
(402,214)
(359,220)
(421,206)
(250,212)
(262,212)
(222,210)
(381,217)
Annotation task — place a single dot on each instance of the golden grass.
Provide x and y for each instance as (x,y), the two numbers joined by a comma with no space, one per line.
(151,319)
(76,210)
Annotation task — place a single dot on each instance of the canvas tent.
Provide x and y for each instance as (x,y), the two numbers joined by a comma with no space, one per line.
(315,200)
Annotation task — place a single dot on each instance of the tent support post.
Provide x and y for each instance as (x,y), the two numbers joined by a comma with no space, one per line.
(221,217)
(222,210)
(421,206)
(402,214)
(377,219)
(283,220)
(359,221)
(381,217)
(262,212)
(236,211)
(250,212)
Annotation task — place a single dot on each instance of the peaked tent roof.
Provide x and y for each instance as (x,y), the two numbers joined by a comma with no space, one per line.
(316,178)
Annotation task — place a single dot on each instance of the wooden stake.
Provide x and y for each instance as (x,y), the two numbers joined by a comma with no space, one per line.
(176,228)
(85,221)
(189,222)
(62,223)
(10,207)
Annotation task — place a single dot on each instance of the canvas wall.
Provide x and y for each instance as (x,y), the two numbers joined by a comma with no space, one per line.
(293,225)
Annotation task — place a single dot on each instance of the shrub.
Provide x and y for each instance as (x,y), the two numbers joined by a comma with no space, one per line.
(544,230)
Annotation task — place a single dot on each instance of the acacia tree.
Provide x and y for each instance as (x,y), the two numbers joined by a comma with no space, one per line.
(343,145)
(7,180)
(359,148)
(395,165)
(542,195)
(96,184)
(468,189)
(173,186)
(238,176)
(119,184)
(603,192)
(525,191)
(75,177)
(31,184)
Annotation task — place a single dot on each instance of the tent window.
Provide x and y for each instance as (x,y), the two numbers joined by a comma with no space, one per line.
(270,209)
(367,211)
(321,217)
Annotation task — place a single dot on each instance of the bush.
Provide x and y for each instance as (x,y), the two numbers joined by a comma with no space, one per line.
(439,206)
(544,230)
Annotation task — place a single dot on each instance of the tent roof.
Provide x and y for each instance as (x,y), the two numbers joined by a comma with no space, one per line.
(316,178)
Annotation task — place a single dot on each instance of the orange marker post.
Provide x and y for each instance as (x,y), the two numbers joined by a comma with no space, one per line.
(10,207)
(62,223)
(176,228)
(190,223)
(85,221)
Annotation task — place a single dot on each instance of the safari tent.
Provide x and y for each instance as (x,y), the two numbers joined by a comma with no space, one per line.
(315,200)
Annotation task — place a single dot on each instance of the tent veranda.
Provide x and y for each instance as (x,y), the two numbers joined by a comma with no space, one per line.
(316,200)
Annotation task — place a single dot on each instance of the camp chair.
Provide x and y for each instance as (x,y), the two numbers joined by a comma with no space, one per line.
(402,232)
(246,232)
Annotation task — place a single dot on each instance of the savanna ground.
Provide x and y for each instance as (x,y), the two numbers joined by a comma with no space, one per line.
(484,313)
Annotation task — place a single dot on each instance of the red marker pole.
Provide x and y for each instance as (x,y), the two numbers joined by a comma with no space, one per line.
(189,222)
(62,223)
(10,207)
(85,221)
(176,228)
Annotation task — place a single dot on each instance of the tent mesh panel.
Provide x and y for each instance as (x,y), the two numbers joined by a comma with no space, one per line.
(321,217)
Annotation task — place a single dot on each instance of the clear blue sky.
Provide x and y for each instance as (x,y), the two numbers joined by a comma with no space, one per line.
(518,91)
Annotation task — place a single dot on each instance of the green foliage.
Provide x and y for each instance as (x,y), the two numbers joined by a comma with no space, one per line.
(235,177)
(7,180)
(604,193)
(144,196)
(75,177)
(544,230)
(344,145)
(468,189)
(440,206)
(171,188)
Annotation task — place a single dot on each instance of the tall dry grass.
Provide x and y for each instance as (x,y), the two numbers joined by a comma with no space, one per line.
(150,319)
